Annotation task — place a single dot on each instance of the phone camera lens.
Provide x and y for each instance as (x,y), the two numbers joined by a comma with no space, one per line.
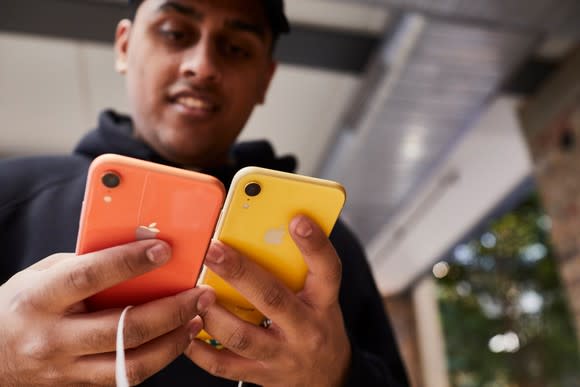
(111,180)
(253,189)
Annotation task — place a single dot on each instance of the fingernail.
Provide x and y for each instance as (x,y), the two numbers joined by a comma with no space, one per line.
(215,254)
(204,301)
(303,228)
(194,328)
(158,254)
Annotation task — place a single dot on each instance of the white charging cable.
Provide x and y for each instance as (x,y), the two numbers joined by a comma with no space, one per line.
(120,368)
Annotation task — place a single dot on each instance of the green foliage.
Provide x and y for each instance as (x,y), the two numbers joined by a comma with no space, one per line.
(507,281)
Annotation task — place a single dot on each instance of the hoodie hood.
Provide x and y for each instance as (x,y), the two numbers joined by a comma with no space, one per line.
(114,134)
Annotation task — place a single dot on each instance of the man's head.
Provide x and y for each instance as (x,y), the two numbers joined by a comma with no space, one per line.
(277,20)
(195,70)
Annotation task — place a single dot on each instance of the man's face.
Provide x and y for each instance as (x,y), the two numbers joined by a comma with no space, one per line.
(195,70)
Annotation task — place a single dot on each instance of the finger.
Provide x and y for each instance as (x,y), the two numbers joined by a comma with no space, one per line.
(96,332)
(225,364)
(240,337)
(260,287)
(73,280)
(48,262)
(141,362)
(324,267)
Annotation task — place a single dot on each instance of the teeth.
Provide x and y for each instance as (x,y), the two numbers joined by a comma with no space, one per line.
(194,103)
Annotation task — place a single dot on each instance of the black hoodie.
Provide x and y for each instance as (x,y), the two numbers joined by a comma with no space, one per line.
(40,203)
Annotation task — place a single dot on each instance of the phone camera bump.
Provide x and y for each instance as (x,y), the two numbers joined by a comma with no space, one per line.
(111,180)
(253,189)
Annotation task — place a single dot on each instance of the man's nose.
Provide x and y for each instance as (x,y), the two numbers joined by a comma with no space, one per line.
(201,63)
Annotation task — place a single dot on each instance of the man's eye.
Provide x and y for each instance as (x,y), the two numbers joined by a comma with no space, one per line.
(173,35)
(236,51)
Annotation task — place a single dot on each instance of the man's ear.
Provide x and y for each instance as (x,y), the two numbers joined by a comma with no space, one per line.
(267,80)
(122,35)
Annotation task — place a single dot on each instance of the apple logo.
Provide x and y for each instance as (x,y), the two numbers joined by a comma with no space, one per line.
(274,236)
(146,232)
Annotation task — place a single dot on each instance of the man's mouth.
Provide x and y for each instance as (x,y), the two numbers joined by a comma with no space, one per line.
(195,103)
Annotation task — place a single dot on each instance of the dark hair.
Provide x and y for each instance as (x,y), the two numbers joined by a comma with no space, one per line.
(274,11)
(133,5)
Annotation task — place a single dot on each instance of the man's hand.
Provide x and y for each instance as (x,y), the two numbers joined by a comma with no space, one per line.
(306,345)
(47,337)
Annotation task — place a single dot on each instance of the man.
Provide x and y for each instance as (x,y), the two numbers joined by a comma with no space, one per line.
(195,70)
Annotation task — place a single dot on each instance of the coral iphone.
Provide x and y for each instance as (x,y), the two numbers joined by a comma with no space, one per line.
(128,199)
(257,212)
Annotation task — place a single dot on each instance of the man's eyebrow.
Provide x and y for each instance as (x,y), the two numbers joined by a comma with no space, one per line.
(171,6)
(252,28)
(235,24)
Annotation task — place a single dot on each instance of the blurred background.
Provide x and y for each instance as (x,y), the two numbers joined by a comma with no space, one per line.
(452,125)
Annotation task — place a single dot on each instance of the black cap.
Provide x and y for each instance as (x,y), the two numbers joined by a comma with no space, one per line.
(274,11)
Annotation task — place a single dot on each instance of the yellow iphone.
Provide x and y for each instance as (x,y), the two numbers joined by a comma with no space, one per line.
(257,212)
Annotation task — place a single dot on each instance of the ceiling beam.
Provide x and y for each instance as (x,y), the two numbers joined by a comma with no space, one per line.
(329,49)
(546,17)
